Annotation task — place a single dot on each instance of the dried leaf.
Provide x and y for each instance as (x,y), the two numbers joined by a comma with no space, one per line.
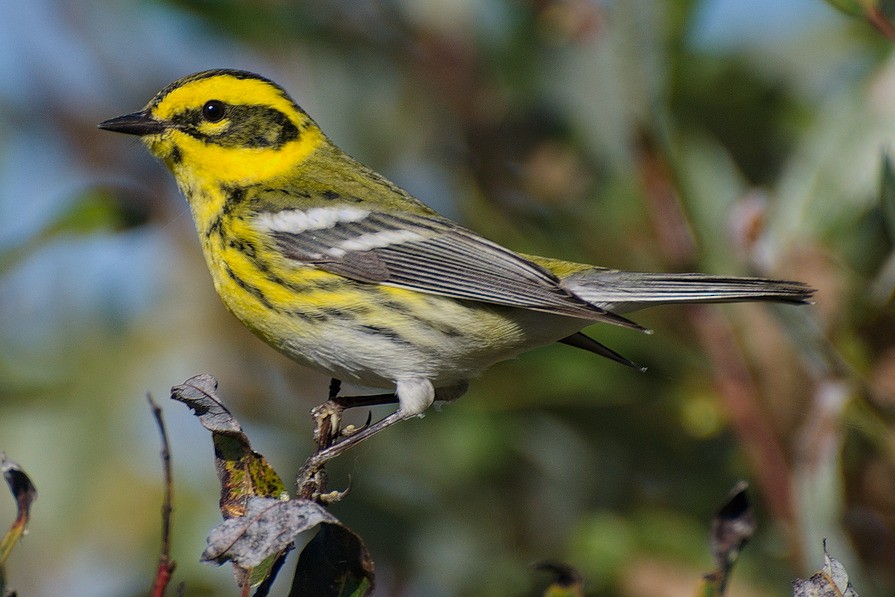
(567,581)
(268,527)
(200,394)
(831,581)
(243,473)
(335,563)
(25,493)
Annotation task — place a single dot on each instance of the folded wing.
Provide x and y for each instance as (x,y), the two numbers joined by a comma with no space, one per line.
(423,253)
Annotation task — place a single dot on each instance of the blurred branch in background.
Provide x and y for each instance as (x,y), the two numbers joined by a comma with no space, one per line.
(878,13)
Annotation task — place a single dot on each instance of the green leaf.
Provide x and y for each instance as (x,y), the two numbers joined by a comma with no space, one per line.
(335,563)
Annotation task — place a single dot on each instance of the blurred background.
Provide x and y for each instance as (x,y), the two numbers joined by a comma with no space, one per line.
(727,136)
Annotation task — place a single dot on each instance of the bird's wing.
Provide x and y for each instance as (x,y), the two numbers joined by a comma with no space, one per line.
(422,253)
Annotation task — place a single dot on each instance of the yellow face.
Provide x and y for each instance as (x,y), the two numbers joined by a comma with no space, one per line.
(226,127)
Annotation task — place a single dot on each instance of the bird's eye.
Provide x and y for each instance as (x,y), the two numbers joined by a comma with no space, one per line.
(213,110)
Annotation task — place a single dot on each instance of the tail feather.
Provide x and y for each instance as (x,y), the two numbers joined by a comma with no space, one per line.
(621,292)
(584,342)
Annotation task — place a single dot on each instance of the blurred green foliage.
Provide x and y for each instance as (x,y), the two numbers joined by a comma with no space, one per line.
(720,135)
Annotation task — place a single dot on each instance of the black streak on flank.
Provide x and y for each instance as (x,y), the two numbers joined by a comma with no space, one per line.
(309,316)
(253,290)
(396,307)
(289,192)
(234,196)
(248,249)
(216,228)
(384,332)
(446,329)
(330,195)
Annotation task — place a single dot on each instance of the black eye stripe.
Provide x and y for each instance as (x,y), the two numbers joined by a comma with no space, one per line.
(214,110)
(248,125)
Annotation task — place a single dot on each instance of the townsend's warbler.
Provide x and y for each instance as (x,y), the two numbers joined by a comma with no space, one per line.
(345,272)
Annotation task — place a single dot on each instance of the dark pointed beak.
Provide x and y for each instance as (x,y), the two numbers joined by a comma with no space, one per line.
(138,123)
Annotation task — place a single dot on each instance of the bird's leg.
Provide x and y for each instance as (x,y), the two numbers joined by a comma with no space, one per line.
(364,433)
(327,416)
(347,402)
(332,439)
(335,386)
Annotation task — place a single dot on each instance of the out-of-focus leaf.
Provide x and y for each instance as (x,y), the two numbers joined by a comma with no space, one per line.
(884,282)
(25,493)
(97,209)
(567,581)
(267,527)
(831,581)
(887,196)
(92,211)
(732,527)
(335,563)
(243,472)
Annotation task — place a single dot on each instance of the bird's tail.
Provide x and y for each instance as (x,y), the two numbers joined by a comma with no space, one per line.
(621,292)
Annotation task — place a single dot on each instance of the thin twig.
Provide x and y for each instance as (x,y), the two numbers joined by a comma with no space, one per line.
(165,565)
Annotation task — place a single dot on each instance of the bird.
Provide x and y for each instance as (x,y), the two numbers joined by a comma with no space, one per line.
(343,271)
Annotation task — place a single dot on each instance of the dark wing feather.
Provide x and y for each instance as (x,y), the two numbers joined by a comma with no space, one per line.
(428,254)
(585,342)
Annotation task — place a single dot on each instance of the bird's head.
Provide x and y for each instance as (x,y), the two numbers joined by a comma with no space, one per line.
(229,126)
